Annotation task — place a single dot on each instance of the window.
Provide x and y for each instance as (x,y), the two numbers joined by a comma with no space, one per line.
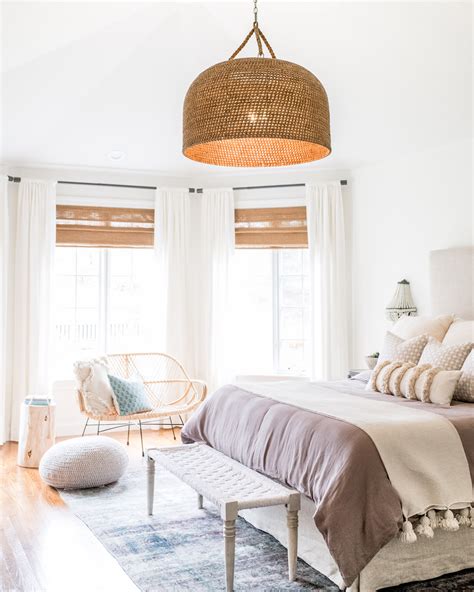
(103,303)
(271,311)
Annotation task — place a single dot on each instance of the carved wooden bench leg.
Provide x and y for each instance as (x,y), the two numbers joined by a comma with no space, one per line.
(150,469)
(292,521)
(229,515)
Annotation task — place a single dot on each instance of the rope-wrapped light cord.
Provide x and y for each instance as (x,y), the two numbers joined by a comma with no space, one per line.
(259,36)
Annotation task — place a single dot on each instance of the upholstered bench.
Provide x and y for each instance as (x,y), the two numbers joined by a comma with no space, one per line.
(229,485)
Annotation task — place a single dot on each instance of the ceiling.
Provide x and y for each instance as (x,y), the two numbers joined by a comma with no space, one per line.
(82,79)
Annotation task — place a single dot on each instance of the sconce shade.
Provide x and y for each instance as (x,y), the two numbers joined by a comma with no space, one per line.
(256,112)
(401,303)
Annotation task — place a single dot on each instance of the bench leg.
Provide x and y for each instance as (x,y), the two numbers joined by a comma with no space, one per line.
(229,515)
(200,501)
(292,521)
(150,470)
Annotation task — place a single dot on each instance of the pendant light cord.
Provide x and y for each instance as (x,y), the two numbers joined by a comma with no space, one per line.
(259,36)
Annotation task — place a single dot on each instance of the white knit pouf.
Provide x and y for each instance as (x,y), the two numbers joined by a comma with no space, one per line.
(79,463)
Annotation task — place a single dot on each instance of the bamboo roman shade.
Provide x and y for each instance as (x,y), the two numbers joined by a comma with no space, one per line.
(104,227)
(271,227)
(132,227)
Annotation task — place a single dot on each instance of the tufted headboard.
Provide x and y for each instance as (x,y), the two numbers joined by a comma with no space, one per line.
(452,277)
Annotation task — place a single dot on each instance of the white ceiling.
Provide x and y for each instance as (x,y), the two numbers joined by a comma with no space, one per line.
(81,79)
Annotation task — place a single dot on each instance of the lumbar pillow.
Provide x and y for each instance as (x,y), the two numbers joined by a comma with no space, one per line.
(422,383)
(407,327)
(398,350)
(446,357)
(130,397)
(459,332)
(94,385)
(465,388)
(437,386)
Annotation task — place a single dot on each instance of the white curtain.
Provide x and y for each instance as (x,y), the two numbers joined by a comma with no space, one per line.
(214,244)
(4,273)
(172,247)
(194,243)
(327,252)
(34,244)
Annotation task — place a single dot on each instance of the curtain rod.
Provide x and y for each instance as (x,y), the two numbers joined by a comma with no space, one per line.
(191,189)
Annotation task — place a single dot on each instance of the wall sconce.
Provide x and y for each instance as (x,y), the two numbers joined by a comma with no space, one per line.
(401,303)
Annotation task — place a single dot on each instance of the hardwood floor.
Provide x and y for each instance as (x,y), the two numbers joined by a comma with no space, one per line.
(43,546)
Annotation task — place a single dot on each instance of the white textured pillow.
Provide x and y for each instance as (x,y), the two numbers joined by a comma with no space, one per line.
(94,384)
(446,357)
(407,327)
(465,388)
(459,332)
(398,350)
(437,386)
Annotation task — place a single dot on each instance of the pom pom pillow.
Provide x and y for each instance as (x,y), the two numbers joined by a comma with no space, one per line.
(94,385)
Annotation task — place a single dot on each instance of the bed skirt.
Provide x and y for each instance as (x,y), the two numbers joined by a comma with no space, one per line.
(394,564)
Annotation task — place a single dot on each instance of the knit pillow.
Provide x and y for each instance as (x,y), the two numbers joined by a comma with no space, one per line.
(130,397)
(398,350)
(465,388)
(446,357)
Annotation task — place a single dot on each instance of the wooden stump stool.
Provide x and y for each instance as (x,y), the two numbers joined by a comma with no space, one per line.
(37,432)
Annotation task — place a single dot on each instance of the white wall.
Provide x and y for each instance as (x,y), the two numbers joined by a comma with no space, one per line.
(401,210)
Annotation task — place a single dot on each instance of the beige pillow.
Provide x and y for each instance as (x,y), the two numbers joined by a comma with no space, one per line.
(437,386)
(409,379)
(446,357)
(398,350)
(465,388)
(407,327)
(459,332)
(93,382)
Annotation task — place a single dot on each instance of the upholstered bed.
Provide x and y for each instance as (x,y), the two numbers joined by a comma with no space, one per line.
(375,470)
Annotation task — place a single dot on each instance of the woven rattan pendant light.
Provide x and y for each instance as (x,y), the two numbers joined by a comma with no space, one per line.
(256,112)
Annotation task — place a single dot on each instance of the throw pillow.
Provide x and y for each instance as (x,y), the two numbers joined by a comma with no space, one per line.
(407,327)
(459,332)
(465,388)
(446,357)
(398,350)
(94,386)
(130,397)
(437,386)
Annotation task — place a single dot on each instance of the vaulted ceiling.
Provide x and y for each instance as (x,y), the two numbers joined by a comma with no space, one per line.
(82,79)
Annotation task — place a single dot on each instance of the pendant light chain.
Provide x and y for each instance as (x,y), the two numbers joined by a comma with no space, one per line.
(259,36)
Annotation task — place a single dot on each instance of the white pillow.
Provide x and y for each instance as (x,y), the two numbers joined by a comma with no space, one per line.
(407,327)
(459,332)
(94,384)
(399,350)
(441,390)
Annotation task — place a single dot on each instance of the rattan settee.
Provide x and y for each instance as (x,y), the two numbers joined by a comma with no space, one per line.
(172,392)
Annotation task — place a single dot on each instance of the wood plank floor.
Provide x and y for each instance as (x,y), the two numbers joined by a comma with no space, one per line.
(43,546)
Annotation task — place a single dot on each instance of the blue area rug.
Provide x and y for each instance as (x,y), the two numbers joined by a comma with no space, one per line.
(180,548)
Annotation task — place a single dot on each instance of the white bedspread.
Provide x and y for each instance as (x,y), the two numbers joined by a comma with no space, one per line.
(422,451)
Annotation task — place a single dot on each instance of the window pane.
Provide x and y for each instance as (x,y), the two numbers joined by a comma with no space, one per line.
(65,261)
(252,312)
(88,261)
(291,291)
(291,323)
(290,262)
(87,291)
(292,357)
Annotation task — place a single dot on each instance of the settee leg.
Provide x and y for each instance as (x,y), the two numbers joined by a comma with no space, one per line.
(141,436)
(85,426)
(128,435)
